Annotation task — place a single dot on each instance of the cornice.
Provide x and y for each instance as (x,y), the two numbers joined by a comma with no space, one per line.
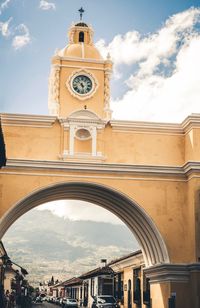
(97,165)
(12,119)
(171,272)
(134,261)
(119,125)
(86,67)
(91,166)
(84,122)
(82,60)
(192,121)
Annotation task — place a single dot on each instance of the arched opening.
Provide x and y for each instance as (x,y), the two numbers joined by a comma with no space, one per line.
(135,218)
(81,37)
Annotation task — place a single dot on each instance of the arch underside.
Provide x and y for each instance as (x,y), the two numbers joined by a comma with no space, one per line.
(152,245)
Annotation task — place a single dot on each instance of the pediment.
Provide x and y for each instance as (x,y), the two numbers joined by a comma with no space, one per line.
(84,114)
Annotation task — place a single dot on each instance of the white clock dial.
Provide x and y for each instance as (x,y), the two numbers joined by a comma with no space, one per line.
(82,84)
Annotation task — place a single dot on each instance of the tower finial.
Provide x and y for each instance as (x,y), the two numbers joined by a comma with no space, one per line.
(81,10)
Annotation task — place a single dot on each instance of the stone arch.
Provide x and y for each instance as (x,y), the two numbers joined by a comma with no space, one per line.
(136,219)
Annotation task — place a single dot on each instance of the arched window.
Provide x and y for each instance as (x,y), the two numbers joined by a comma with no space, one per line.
(81,36)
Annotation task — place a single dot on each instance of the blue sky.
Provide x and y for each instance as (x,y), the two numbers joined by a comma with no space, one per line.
(150,81)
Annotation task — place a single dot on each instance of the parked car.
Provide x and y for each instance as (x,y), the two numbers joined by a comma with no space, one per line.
(70,303)
(57,300)
(62,300)
(104,301)
(38,299)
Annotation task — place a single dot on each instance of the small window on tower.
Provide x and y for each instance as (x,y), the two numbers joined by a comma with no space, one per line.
(81,37)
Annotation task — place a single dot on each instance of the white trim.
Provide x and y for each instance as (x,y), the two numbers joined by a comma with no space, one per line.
(82,157)
(161,171)
(192,121)
(57,174)
(10,119)
(84,114)
(171,272)
(131,261)
(82,138)
(86,67)
(71,139)
(85,60)
(94,141)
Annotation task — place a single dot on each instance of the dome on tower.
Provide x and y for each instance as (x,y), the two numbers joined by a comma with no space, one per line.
(80,43)
(78,51)
(81,24)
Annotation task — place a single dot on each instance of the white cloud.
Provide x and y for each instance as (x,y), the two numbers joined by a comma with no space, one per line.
(4,28)
(4,5)
(164,83)
(45,5)
(21,40)
(80,210)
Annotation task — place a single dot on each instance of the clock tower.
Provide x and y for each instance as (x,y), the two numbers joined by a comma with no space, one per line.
(79,92)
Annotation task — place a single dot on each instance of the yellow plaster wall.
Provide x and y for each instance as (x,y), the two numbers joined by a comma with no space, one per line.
(81,146)
(192,145)
(160,292)
(26,142)
(69,103)
(144,148)
(128,274)
(117,147)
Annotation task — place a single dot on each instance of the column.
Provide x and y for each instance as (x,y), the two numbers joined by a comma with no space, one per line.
(71,140)
(94,141)
(179,281)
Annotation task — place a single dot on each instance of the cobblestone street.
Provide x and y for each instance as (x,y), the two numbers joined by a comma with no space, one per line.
(44,305)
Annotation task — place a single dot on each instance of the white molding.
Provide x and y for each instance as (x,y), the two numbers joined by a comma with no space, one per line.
(84,114)
(71,140)
(132,261)
(139,126)
(86,67)
(84,122)
(82,157)
(9,119)
(94,141)
(147,170)
(192,121)
(85,137)
(85,60)
(171,272)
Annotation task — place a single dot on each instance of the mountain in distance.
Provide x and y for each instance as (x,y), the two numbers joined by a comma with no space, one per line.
(47,245)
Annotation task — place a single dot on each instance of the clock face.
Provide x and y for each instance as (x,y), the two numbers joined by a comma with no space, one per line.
(82,84)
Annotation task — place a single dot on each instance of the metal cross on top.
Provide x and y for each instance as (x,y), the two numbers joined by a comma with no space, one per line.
(81,10)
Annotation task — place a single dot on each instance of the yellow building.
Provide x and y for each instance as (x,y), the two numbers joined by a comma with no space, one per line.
(132,287)
(145,173)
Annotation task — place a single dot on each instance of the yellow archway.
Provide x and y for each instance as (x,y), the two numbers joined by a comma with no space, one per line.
(136,219)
